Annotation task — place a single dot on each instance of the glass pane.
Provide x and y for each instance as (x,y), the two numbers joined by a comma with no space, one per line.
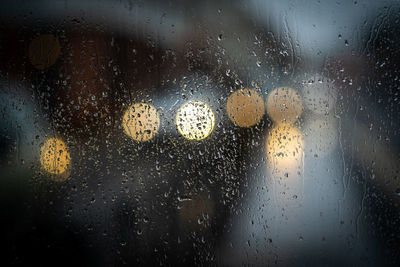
(223,133)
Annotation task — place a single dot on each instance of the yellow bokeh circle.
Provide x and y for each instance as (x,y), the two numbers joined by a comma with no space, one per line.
(195,120)
(245,108)
(284,105)
(55,158)
(141,122)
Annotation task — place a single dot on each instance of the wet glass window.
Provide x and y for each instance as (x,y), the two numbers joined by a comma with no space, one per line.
(205,133)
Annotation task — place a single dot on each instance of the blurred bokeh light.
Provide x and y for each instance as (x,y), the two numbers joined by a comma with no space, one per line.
(55,158)
(141,122)
(245,107)
(195,120)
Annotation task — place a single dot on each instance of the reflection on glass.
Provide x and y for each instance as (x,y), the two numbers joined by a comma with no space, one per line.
(55,158)
(141,122)
(195,120)
(284,149)
(245,108)
(44,50)
(284,105)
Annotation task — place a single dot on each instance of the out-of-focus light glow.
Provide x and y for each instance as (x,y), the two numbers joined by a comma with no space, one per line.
(195,120)
(141,122)
(245,108)
(284,148)
(284,105)
(44,50)
(319,94)
(55,158)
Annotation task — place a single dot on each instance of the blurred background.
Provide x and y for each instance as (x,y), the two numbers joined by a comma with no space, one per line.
(222,133)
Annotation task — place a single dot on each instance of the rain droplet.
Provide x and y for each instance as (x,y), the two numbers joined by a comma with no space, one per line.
(398,192)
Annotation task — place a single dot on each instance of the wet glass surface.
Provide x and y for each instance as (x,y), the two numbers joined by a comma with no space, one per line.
(221,133)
